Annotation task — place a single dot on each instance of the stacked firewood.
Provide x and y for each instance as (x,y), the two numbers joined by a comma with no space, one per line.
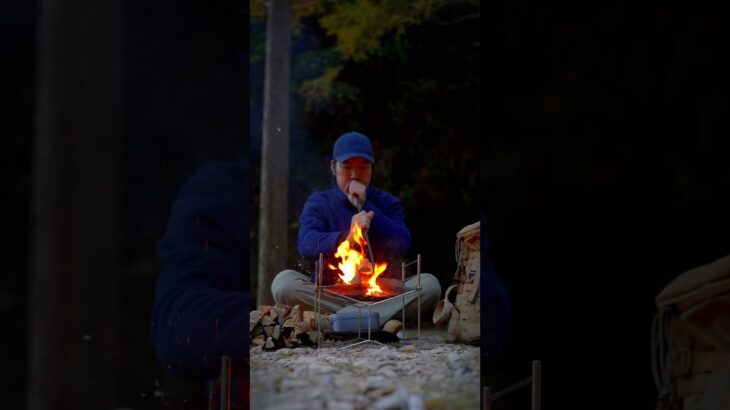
(278,326)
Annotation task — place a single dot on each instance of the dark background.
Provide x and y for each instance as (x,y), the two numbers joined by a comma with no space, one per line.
(184,71)
(604,172)
(606,176)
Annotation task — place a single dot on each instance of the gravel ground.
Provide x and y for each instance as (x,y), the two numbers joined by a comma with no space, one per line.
(438,376)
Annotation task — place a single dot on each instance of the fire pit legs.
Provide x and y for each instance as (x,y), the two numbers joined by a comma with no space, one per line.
(403,298)
(418,295)
(417,261)
(318,301)
(370,313)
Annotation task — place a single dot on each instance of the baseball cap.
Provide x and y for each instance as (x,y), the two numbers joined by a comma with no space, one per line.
(353,144)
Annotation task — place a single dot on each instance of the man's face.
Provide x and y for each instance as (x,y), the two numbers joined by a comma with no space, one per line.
(356,168)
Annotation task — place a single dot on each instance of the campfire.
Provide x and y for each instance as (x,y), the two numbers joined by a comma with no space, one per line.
(358,277)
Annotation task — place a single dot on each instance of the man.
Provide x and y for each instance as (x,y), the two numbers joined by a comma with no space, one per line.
(201,305)
(327,219)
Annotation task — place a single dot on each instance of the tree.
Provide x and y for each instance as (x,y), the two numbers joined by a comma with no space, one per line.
(273,218)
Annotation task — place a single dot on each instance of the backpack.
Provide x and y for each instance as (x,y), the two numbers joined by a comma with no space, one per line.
(463,315)
(691,340)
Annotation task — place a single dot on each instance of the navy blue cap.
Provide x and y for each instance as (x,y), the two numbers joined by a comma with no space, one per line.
(353,144)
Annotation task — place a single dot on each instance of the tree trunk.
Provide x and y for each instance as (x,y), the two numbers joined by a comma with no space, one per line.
(273,215)
(73,285)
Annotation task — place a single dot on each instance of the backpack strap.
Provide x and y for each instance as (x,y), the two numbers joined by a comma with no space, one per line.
(446,296)
(475,289)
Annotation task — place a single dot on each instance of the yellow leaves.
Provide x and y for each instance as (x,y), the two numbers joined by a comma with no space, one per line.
(356,26)
(360,25)
(257,10)
(319,90)
(306,8)
(361,29)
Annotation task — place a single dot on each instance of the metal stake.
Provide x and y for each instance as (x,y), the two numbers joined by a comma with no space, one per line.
(536,384)
(370,313)
(486,397)
(225,398)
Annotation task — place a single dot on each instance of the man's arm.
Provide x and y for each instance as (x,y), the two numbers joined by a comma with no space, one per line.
(314,236)
(202,300)
(388,224)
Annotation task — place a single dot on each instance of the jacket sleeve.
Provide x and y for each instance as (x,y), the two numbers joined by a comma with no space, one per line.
(201,302)
(389,226)
(314,236)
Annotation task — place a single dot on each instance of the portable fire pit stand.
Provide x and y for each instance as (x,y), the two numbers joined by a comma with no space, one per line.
(319,289)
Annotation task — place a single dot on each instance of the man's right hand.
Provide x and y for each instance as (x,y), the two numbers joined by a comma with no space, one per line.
(356,190)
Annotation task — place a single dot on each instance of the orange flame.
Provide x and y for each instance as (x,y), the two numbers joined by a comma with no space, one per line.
(373,288)
(353,261)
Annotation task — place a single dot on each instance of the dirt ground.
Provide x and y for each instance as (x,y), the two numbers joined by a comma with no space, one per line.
(430,375)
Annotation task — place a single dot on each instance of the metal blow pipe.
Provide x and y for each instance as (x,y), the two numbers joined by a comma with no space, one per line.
(358,205)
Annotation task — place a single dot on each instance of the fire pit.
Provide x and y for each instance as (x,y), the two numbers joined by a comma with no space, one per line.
(359,292)
(359,296)
(360,283)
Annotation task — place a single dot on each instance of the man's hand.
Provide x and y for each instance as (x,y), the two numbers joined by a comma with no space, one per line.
(356,190)
(362,219)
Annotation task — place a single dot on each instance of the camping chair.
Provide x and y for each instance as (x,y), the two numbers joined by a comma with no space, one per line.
(534,379)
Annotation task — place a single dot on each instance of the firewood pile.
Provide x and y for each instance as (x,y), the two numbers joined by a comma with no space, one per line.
(280,326)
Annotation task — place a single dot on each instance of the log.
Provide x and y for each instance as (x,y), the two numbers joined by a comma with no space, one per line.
(280,326)
(276,333)
(273,314)
(314,335)
(300,327)
(295,313)
(283,312)
(254,316)
(292,343)
(308,317)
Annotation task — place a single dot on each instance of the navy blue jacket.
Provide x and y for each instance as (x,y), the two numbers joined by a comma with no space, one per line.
(201,305)
(325,222)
